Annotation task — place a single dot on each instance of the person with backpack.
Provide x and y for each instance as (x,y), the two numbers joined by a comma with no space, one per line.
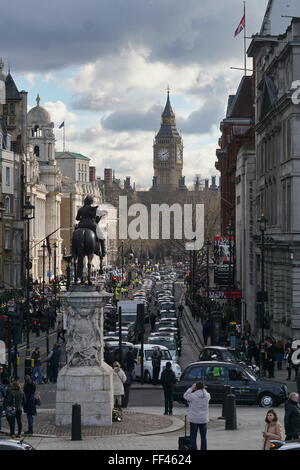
(168,380)
(37,371)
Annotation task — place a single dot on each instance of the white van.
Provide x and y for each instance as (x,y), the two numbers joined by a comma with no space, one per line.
(148,370)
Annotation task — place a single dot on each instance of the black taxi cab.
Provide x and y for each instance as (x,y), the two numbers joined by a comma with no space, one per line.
(248,388)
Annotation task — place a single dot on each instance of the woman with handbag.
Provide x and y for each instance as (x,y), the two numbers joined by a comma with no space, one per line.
(273,430)
(30,402)
(13,407)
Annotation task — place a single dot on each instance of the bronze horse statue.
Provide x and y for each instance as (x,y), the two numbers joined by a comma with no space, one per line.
(85,242)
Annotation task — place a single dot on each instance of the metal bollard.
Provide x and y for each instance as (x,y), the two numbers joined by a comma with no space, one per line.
(230,417)
(226,392)
(76,422)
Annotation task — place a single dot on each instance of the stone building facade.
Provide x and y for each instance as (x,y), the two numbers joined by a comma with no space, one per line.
(44,187)
(237,130)
(277,65)
(13,109)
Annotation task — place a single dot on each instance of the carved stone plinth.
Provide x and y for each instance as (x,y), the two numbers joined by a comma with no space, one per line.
(86,379)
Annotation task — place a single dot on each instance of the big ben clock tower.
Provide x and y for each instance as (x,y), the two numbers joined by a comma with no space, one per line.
(167,152)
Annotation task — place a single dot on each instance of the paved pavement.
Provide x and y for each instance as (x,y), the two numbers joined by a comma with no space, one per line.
(248,435)
(144,428)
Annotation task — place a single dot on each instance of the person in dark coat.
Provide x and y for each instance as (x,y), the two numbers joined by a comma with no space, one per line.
(270,358)
(152,321)
(130,361)
(127,385)
(168,380)
(156,362)
(29,404)
(54,360)
(292,417)
(108,355)
(2,398)
(14,398)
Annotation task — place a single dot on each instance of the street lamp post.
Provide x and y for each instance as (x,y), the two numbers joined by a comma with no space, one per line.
(230,232)
(207,244)
(28,210)
(262,227)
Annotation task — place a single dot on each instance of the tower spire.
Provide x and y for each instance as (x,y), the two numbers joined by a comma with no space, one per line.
(38,99)
(168,111)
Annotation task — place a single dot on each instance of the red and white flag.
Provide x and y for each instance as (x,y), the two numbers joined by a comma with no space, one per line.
(241,26)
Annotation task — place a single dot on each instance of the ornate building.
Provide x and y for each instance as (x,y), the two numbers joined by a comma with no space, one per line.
(277,66)
(44,186)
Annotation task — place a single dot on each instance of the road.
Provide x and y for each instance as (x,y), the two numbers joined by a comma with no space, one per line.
(140,397)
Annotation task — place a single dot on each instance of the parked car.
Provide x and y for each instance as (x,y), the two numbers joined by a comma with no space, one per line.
(279,445)
(248,388)
(220,353)
(9,444)
(148,370)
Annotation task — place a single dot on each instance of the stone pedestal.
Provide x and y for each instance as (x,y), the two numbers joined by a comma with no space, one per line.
(86,379)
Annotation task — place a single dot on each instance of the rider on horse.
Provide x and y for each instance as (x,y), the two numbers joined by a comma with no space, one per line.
(89,217)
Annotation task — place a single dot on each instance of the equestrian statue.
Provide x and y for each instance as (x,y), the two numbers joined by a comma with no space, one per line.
(88,239)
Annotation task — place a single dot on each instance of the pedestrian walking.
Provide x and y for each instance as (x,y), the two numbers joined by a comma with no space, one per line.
(127,384)
(298,383)
(13,403)
(198,413)
(37,370)
(152,321)
(54,359)
(180,310)
(29,403)
(247,329)
(168,380)
(2,398)
(130,361)
(270,357)
(292,417)
(206,331)
(119,378)
(156,363)
(273,430)
(60,332)
(289,363)
(108,355)
(279,354)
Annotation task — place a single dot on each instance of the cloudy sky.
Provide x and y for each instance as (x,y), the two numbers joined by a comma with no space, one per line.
(103,67)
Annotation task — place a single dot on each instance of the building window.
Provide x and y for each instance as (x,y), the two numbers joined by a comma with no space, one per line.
(37,151)
(7,176)
(238,200)
(7,205)
(7,239)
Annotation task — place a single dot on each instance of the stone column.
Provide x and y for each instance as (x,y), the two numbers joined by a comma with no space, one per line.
(86,379)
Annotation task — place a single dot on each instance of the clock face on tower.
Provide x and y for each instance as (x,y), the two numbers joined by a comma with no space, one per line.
(179,154)
(163,155)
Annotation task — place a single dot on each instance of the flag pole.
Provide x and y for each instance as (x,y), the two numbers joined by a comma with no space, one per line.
(245,43)
(64,137)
